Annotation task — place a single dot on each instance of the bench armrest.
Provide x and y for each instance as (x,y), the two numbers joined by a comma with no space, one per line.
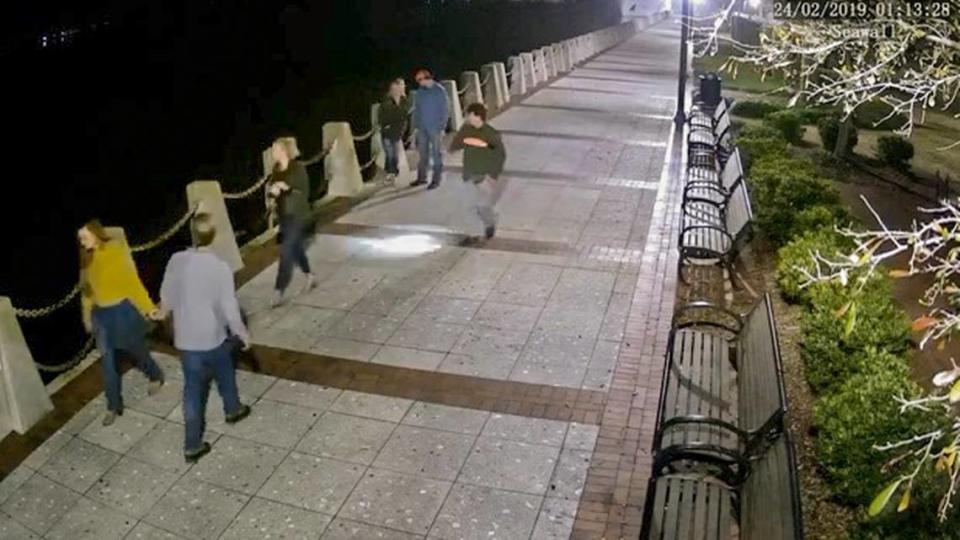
(733,468)
(706,305)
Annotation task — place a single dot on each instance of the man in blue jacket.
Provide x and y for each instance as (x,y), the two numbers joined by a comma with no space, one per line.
(430,117)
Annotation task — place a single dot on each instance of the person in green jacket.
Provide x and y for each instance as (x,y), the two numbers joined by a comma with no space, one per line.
(394,115)
(483,159)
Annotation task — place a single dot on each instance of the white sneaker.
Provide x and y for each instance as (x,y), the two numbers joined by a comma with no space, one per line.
(277,300)
(390,179)
(309,285)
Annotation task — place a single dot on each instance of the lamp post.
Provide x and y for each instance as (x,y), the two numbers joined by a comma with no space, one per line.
(680,117)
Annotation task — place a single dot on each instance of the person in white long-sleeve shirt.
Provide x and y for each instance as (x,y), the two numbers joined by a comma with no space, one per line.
(198,289)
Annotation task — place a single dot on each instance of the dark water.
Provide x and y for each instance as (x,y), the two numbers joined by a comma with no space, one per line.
(118,120)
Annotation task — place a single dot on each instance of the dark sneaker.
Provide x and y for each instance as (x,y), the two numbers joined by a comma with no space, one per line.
(239,415)
(418,182)
(194,457)
(471,241)
(434,185)
(489,232)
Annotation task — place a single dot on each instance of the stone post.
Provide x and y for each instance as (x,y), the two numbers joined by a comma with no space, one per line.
(472,93)
(549,65)
(454,107)
(341,166)
(529,70)
(502,86)
(23,398)
(208,194)
(559,58)
(518,79)
(492,93)
(540,66)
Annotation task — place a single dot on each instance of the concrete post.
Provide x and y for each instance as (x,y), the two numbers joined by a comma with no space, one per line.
(529,70)
(23,398)
(453,105)
(208,194)
(549,66)
(518,78)
(493,96)
(502,87)
(472,93)
(376,140)
(560,58)
(540,69)
(341,166)
(403,164)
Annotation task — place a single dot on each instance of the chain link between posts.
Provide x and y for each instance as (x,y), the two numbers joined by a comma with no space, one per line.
(69,364)
(365,136)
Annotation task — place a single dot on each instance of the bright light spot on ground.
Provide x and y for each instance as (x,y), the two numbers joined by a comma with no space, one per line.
(755,3)
(408,244)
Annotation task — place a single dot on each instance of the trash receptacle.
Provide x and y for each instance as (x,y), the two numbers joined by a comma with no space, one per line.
(710,89)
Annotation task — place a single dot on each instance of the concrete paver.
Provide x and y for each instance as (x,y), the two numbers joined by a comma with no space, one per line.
(548,308)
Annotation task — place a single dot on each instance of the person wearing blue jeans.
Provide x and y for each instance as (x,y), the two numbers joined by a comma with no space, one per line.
(430,117)
(290,185)
(394,115)
(198,290)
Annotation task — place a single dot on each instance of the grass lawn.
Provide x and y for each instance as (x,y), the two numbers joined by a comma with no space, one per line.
(747,79)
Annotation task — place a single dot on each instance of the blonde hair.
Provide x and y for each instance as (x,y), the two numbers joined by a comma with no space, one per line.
(289,146)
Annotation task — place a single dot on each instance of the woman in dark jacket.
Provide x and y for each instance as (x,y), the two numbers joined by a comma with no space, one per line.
(394,114)
(291,187)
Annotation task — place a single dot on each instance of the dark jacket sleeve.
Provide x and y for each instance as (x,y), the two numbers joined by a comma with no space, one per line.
(496,146)
(298,179)
(457,143)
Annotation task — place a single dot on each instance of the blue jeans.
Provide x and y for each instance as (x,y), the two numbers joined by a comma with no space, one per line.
(199,369)
(391,153)
(292,250)
(121,327)
(430,147)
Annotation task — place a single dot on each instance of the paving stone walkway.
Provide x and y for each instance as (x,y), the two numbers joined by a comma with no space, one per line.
(425,389)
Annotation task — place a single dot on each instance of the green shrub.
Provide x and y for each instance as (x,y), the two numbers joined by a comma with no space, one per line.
(861,414)
(798,254)
(839,326)
(755,109)
(812,115)
(895,151)
(788,123)
(821,216)
(872,112)
(781,189)
(829,129)
(758,141)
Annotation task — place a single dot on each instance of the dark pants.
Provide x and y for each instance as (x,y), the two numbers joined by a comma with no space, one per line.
(199,369)
(121,328)
(292,250)
(391,153)
(430,148)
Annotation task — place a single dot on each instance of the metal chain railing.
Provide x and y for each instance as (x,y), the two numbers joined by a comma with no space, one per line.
(167,234)
(36,313)
(76,359)
(367,165)
(485,80)
(247,192)
(365,136)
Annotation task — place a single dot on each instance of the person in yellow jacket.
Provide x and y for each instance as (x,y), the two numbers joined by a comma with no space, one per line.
(115,304)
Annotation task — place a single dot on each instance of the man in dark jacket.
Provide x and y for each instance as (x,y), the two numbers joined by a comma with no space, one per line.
(430,117)
(394,112)
(483,160)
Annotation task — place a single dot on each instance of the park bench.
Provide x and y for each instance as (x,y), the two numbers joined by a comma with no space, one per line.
(707,145)
(715,235)
(766,506)
(706,185)
(722,398)
(702,117)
